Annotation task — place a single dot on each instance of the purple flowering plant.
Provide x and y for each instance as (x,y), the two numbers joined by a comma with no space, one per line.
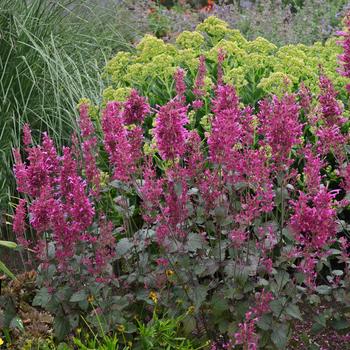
(239,225)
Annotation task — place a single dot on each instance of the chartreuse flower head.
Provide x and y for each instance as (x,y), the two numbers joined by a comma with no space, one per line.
(120,94)
(236,77)
(150,47)
(214,27)
(117,66)
(190,40)
(277,83)
(93,109)
(260,45)
(1,341)
(233,52)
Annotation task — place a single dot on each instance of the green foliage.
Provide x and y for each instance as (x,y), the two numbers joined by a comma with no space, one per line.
(3,268)
(257,68)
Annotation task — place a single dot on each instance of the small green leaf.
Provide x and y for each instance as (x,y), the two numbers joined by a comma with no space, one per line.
(16,322)
(338,272)
(323,289)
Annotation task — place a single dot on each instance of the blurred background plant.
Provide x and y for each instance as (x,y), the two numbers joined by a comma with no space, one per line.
(280,21)
(51,54)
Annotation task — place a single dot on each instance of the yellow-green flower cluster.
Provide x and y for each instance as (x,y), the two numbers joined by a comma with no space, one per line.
(190,40)
(256,65)
(214,27)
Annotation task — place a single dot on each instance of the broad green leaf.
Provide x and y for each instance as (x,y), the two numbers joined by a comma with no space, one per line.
(42,298)
(319,324)
(198,295)
(280,336)
(341,324)
(195,241)
(293,311)
(61,327)
(78,296)
(189,324)
(277,306)
(282,279)
(123,246)
(265,322)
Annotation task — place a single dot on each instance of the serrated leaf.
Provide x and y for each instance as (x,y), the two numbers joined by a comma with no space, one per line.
(41,298)
(280,336)
(78,296)
(123,246)
(195,241)
(293,311)
(277,306)
(323,289)
(341,324)
(282,279)
(61,327)
(265,322)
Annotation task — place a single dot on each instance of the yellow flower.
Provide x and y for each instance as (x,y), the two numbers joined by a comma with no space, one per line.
(169,273)
(153,295)
(190,310)
(121,328)
(90,299)
(1,341)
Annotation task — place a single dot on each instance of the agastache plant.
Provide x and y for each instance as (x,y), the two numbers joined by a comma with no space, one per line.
(235,225)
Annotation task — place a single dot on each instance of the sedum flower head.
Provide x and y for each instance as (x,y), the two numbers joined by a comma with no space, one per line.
(150,47)
(214,27)
(190,40)
(260,45)
(120,94)
(117,66)
(276,83)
